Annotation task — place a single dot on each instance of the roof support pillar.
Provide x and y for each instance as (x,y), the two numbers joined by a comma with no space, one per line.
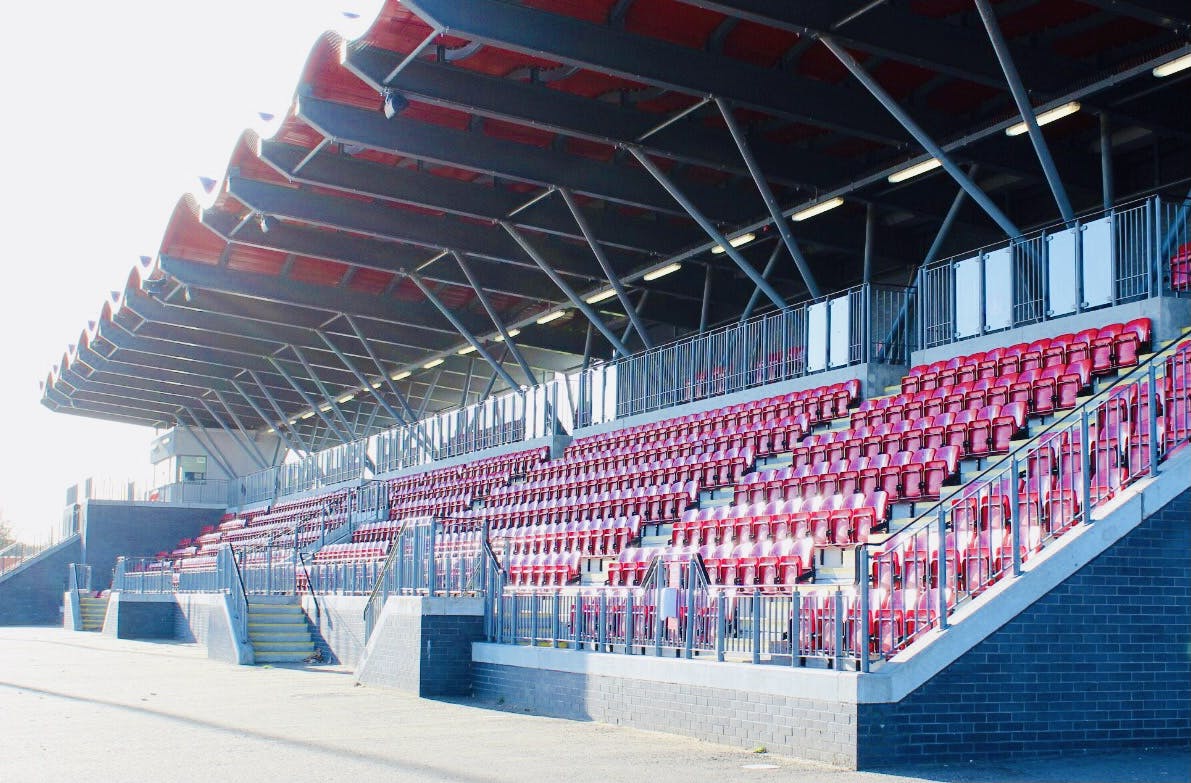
(278,427)
(576,300)
(430,392)
(707,226)
(326,395)
(251,454)
(397,417)
(384,374)
(491,381)
(309,402)
(769,265)
(1022,99)
(925,141)
(635,312)
(482,295)
(775,211)
(705,305)
(471,366)
(277,407)
(870,226)
(222,461)
(463,330)
(1106,160)
(598,251)
(243,430)
(948,221)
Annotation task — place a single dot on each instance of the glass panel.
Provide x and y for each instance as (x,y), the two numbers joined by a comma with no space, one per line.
(1097,262)
(816,355)
(998,280)
(968,298)
(1061,281)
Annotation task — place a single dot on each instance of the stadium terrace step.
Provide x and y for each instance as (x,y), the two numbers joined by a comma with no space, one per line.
(278,632)
(92,612)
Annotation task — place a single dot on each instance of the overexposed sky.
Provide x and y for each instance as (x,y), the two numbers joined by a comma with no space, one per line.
(111,112)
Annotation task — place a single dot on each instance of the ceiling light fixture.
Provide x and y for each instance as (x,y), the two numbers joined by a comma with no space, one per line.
(666,270)
(401,376)
(602,296)
(466,350)
(430,365)
(817,209)
(1174,66)
(909,172)
(1057,113)
(548,317)
(512,333)
(743,239)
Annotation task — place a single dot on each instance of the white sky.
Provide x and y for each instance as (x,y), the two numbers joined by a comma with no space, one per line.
(111,111)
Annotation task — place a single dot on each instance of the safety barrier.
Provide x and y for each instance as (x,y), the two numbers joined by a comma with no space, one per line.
(1105,258)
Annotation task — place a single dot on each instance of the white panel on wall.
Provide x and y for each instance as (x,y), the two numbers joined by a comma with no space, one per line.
(1060,272)
(816,337)
(998,289)
(841,330)
(967,298)
(1097,262)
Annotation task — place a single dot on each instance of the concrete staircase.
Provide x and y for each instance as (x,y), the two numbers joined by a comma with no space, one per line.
(92,612)
(278,631)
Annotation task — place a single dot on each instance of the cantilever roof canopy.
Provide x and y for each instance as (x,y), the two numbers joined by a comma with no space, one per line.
(463,170)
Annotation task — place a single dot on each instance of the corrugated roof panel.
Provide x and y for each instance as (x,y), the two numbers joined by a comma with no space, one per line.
(317,271)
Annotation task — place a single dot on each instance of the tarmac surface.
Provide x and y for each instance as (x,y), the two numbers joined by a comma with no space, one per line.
(82,706)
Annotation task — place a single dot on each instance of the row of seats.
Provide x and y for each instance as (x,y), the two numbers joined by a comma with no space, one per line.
(596,537)
(1042,391)
(653,504)
(709,469)
(836,519)
(356,550)
(977,432)
(819,404)
(763,563)
(543,570)
(1108,348)
(903,476)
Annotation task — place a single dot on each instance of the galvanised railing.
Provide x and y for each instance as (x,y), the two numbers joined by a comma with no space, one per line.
(862,324)
(913,581)
(1104,258)
(1021,504)
(17,554)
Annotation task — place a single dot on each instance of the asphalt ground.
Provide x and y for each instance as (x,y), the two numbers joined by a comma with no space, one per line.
(79,706)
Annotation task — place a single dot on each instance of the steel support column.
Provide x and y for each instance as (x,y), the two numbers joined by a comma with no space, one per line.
(244,430)
(220,459)
(380,368)
(277,407)
(927,143)
(306,398)
(569,292)
(756,294)
(463,330)
(598,251)
(705,304)
(486,303)
(870,227)
(775,211)
(363,379)
(1106,187)
(492,381)
(707,226)
(632,325)
(471,366)
(251,454)
(1022,99)
(322,389)
(430,392)
(278,427)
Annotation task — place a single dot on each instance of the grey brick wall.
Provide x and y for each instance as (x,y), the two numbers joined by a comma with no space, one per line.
(424,654)
(111,529)
(142,619)
(193,619)
(338,625)
(34,595)
(813,729)
(1104,660)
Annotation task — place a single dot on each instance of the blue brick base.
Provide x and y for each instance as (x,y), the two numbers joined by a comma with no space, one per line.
(1103,661)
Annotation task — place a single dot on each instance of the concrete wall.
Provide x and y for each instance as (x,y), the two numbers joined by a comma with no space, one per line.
(802,714)
(1104,660)
(114,528)
(338,625)
(32,594)
(423,646)
(141,617)
(1168,314)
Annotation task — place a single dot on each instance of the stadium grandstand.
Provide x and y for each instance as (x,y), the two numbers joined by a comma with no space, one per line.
(815,374)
